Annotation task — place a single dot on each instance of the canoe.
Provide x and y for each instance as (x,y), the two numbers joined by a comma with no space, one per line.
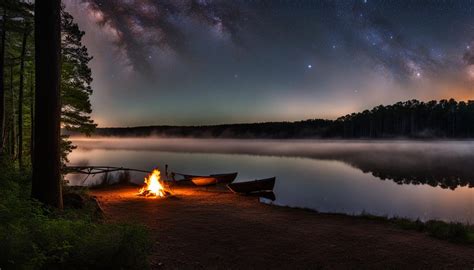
(200,180)
(204,181)
(253,186)
(225,178)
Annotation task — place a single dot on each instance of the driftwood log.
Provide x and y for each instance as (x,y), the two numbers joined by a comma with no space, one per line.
(93,170)
(97,169)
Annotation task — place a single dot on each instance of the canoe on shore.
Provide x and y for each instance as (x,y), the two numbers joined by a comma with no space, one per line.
(225,178)
(253,186)
(204,181)
(199,180)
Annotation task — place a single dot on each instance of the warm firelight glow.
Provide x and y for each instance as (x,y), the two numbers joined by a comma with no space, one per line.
(153,185)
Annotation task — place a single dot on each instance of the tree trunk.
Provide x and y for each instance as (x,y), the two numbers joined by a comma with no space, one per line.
(12,119)
(20,96)
(32,117)
(2,82)
(46,186)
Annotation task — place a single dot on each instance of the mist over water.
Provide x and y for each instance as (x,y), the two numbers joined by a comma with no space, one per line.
(416,179)
(324,149)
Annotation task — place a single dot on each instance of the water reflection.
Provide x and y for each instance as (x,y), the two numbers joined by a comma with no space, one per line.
(445,172)
(427,179)
(446,164)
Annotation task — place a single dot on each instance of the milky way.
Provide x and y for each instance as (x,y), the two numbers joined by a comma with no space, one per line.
(215,61)
(139,26)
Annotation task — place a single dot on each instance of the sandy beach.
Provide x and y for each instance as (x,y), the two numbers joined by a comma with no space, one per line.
(215,229)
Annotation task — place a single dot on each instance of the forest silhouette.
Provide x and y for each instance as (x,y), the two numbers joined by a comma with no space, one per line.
(409,119)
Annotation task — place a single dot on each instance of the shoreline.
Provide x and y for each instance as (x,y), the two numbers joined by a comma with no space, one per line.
(308,139)
(207,229)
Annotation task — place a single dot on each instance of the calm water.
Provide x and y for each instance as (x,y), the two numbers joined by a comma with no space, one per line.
(426,180)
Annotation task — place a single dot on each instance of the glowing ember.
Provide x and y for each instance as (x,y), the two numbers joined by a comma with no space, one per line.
(153,186)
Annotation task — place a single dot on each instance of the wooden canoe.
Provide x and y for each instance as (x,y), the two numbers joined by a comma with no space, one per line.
(204,181)
(199,180)
(225,178)
(253,186)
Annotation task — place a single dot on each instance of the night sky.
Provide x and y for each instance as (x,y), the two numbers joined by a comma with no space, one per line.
(207,62)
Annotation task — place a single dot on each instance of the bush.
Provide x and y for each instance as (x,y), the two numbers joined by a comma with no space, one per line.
(408,224)
(34,237)
(450,231)
(456,232)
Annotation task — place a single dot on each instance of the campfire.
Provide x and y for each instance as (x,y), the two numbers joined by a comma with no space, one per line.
(153,186)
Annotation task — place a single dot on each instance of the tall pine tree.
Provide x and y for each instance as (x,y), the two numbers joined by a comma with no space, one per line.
(76,79)
(46,185)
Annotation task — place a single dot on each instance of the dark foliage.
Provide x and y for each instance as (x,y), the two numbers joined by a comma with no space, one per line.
(33,236)
(273,130)
(20,75)
(413,118)
(450,231)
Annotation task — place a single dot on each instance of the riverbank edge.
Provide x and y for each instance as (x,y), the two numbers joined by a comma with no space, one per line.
(455,232)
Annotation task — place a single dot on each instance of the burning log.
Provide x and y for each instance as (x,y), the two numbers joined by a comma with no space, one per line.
(148,193)
(153,187)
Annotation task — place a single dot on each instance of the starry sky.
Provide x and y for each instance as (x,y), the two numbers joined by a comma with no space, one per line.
(194,62)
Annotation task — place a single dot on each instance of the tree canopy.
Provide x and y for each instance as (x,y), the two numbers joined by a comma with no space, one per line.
(19,83)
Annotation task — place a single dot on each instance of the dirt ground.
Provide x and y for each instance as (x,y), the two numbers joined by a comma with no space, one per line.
(210,229)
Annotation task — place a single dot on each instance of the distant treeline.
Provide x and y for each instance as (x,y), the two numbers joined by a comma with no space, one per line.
(413,118)
(270,130)
(410,119)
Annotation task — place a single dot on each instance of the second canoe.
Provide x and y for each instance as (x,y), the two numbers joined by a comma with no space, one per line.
(253,186)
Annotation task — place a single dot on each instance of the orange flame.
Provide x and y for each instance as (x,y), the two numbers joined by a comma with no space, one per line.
(153,185)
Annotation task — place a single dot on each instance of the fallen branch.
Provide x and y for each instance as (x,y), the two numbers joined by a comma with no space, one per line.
(92,170)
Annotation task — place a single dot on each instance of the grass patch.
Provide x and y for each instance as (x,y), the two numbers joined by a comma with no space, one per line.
(456,232)
(35,237)
(450,231)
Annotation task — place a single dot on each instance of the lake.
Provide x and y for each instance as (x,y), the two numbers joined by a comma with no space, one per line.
(414,179)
